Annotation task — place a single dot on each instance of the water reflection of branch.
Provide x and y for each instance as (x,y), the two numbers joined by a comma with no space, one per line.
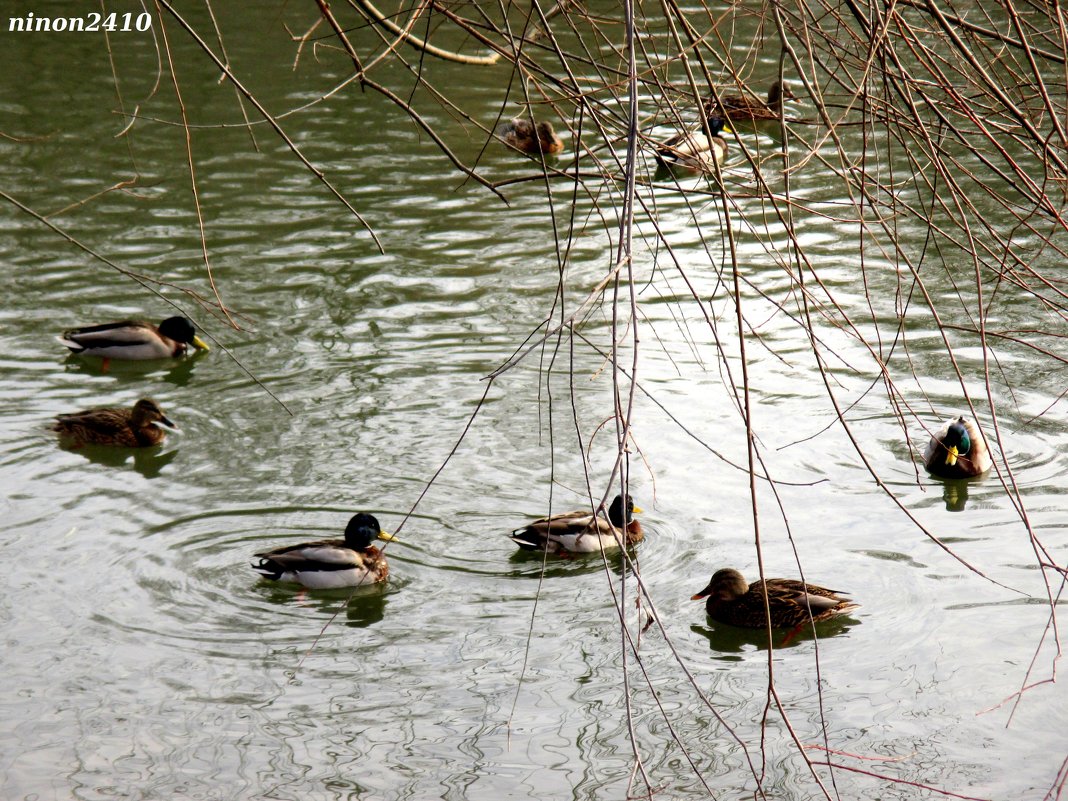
(270,119)
(946,143)
(895,780)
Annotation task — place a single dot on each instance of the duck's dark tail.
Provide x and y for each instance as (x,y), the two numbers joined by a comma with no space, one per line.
(527,541)
(268,569)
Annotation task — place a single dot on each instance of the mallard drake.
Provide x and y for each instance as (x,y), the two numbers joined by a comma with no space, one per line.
(738,108)
(137,427)
(134,339)
(694,151)
(530,138)
(957,450)
(791,603)
(580,531)
(329,564)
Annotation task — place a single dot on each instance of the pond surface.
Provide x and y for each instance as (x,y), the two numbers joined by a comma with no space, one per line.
(143,657)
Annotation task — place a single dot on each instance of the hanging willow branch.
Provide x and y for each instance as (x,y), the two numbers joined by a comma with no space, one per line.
(372,14)
(910,116)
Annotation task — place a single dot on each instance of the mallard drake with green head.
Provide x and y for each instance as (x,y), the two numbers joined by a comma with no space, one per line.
(134,339)
(791,603)
(521,134)
(582,532)
(330,564)
(694,151)
(140,426)
(957,450)
(738,108)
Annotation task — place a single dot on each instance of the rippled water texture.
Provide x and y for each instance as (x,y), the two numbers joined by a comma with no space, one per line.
(144,659)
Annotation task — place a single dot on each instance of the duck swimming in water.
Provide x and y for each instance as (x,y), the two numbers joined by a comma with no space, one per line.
(957,450)
(134,339)
(582,532)
(140,426)
(791,603)
(694,151)
(330,564)
(738,108)
(533,139)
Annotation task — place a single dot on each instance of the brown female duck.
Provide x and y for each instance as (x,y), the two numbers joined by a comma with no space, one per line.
(738,108)
(791,603)
(138,427)
(531,138)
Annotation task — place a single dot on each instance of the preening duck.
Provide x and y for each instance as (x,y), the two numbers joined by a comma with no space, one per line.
(537,138)
(957,450)
(134,339)
(140,426)
(791,603)
(696,150)
(582,532)
(329,564)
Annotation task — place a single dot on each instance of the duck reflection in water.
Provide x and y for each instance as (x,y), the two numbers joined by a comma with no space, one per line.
(955,494)
(178,372)
(149,462)
(726,639)
(363,606)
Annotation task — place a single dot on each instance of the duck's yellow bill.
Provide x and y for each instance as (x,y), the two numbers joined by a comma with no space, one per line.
(200,344)
(382,535)
(637,510)
(951,457)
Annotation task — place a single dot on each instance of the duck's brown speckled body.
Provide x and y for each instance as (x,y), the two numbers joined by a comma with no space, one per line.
(136,427)
(531,138)
(738,108)
(791,603)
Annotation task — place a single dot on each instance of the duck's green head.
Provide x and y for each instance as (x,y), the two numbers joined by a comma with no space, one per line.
(620,512)
(716,125)
(957,442)
(180,329)
(362,530)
